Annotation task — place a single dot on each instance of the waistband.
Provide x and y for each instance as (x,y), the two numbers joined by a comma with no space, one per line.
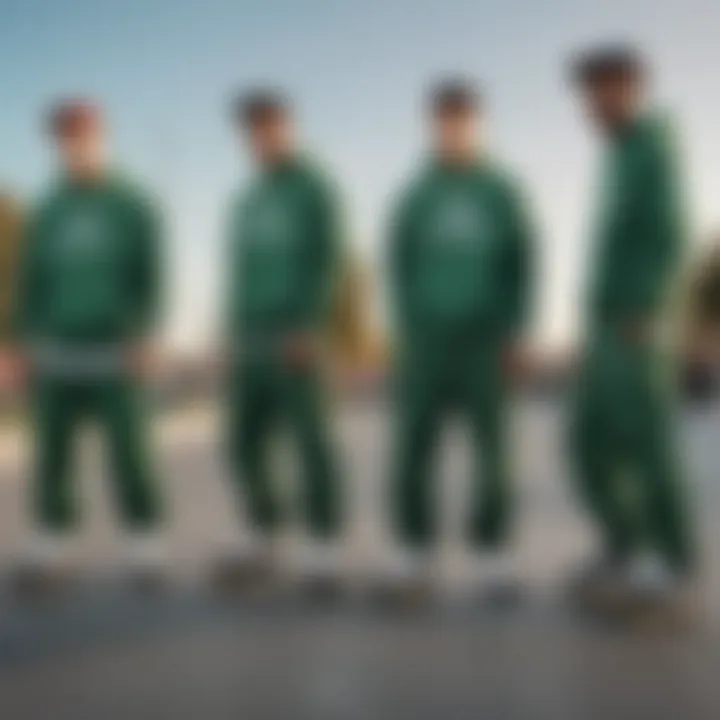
(72,361)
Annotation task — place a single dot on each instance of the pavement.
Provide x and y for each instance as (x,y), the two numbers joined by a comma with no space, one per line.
(101,651)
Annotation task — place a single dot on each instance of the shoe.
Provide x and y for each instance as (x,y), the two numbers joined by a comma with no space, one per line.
(253,564)
(47,565)
(495,579)
(408,581)
(319,568)
(648,576)
(146,561)
(655,591)
(598,584)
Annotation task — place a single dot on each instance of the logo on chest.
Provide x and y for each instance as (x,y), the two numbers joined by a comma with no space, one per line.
(460,221)
(271,223)
(82,232)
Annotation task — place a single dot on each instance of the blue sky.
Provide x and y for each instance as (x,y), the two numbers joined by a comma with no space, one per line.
(166,68)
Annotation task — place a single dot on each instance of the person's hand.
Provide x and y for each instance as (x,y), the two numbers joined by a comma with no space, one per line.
(144,361)
(300,350)
(515,360)
(636,330)
(14,370)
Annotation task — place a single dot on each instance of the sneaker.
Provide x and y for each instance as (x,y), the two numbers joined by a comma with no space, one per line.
(46,565)
(254,563)
(408,580)
(146,560)
(320,567)
(650,582)
(653,595)
(599,583)
(495,577)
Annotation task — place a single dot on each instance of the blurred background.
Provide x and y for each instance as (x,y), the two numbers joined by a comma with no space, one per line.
(358,75)
(165,71)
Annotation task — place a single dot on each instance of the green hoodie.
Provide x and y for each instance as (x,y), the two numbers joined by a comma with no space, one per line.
(284,247)
(640,230)
(461,253)
(90,266)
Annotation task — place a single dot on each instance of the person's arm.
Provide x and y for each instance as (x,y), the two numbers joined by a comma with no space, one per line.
(321,264)
(145,312)
(519,264)
(399,264)
(324,256)
(147,307)
(657,229)
(231,320)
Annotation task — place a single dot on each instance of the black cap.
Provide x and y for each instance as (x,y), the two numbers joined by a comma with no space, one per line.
(454,95)
(607,63)
(260,104)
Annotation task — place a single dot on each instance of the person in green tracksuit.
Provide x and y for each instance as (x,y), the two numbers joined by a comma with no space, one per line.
(460,272)
(284,253)
(86,307)
(624,438)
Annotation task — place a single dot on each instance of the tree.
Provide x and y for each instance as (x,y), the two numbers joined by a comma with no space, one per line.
(11,217)
(705,292)
(354,341)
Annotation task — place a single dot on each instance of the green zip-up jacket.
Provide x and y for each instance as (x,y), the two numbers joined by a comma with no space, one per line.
(641,228)
(284,251)
(90,266)
(461,253)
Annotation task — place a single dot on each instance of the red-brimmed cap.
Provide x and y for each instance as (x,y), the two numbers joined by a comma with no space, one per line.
(70,117)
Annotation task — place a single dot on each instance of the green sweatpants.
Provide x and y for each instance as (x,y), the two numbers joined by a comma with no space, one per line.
(265,396)
(624,447)
(60,406)
(433,380)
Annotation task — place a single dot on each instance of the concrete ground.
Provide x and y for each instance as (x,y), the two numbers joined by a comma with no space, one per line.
(102,652)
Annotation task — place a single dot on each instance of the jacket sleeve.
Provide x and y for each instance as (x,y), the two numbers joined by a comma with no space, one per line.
(149,285)
(324,257)
(657,227)
(232,258)
(519,263)
(399,264)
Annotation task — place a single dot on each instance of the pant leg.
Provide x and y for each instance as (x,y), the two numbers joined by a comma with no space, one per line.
(419,408)
(649,405)
(597,451)
(485,398)
(57,409)
(251,420)
(119,405)
(307,413)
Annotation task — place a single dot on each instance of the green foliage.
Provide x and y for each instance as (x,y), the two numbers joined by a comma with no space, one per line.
(11,217)
(705,291)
